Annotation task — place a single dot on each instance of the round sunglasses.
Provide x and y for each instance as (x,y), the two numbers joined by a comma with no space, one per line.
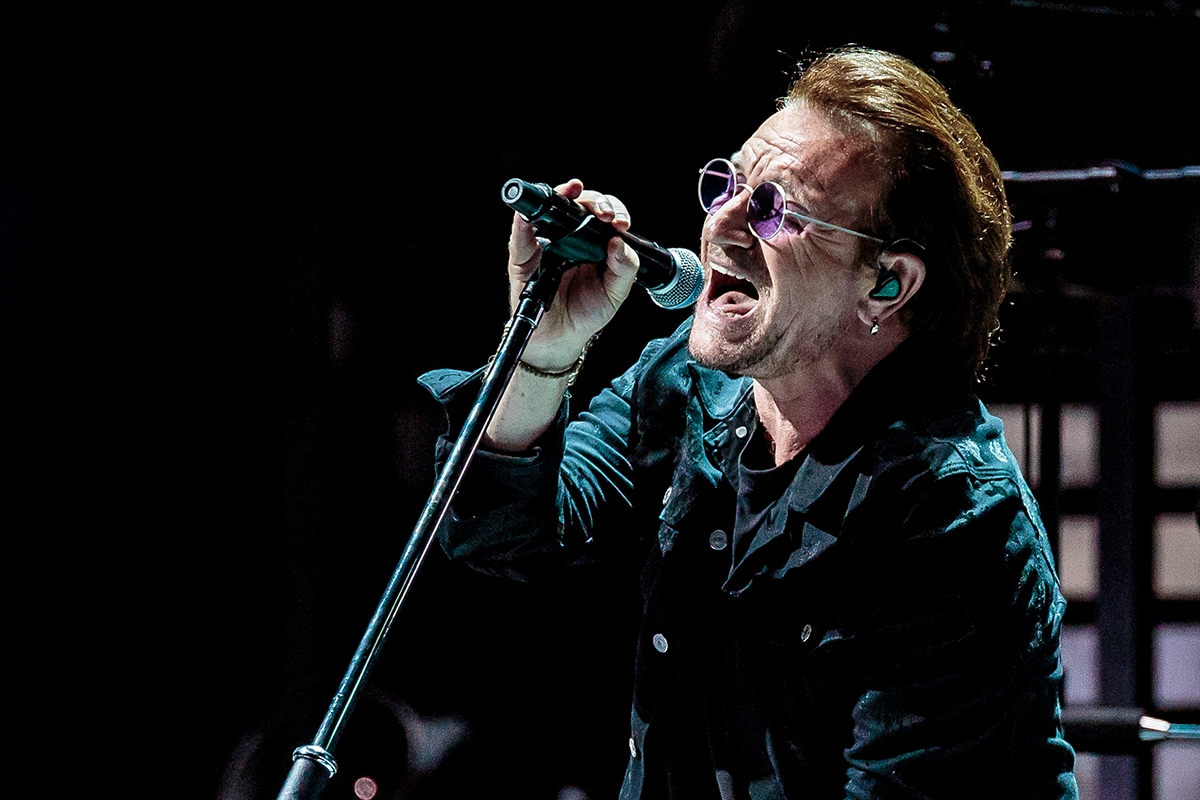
(766,209)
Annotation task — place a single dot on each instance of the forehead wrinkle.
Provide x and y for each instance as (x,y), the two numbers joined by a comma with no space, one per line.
(795,176)
(810,158)
(800,182)
(853,163)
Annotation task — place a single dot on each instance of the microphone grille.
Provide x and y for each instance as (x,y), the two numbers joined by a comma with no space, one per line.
(684,289)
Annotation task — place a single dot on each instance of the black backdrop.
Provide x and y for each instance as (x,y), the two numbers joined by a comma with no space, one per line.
(231,237)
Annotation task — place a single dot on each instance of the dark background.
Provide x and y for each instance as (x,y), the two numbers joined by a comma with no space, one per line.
(232,235)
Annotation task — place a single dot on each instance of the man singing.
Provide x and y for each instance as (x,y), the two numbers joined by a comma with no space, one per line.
(848,591)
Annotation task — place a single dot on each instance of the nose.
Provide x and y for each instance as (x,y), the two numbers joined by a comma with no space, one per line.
(727,226)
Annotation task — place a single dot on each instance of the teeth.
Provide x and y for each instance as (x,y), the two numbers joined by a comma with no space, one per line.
(731,273)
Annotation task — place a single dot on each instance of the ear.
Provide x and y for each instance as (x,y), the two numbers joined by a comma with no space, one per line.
(900,275)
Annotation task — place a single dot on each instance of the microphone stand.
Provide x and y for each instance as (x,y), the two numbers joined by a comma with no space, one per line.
(313,764)
(1117,730)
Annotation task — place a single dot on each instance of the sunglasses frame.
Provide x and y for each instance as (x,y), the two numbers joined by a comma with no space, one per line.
(706,170)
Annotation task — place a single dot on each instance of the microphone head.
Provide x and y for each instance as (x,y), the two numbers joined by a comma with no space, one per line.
(684,288)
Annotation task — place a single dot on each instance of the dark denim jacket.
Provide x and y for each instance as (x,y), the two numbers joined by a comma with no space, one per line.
(892,630)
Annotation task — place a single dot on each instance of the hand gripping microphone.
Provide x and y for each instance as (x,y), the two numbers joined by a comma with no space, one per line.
(672,277)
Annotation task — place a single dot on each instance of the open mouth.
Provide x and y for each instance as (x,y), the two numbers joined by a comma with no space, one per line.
(730,294)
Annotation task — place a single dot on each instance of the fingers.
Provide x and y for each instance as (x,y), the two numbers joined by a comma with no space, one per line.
(524,252)
(622,258)
(571,189)
(524,257)
(606,207)
(622,270)
(612,283)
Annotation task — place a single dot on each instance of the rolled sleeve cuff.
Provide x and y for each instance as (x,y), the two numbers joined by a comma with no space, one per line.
(505,500)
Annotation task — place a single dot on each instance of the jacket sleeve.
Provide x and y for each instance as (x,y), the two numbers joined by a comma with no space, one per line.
(959,640)
(526,515)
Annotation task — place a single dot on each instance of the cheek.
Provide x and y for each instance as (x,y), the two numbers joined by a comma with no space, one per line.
(825,287)
(798,266)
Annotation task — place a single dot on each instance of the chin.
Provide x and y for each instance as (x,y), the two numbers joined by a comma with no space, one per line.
(765,353)
(735,358)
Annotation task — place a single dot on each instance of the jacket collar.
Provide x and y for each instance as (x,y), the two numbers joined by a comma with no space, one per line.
(907,381)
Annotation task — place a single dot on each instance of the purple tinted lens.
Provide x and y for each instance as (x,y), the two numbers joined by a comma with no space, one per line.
(717,184)
(765,210)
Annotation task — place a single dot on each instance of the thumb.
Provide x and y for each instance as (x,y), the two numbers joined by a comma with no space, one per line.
(623,264)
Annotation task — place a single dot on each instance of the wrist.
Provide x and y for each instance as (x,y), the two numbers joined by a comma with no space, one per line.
(567,373)
(556,356)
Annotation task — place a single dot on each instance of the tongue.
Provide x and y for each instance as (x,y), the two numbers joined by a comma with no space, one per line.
(734,302)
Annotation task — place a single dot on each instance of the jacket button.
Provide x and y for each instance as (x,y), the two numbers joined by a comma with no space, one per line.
(660,642)
(633,748)
(806,632)
(717,540)
(740,431)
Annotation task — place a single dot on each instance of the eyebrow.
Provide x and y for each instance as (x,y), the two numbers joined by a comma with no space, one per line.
(792,196)
(792,192)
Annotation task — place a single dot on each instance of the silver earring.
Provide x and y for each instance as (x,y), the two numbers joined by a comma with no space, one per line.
(875,326)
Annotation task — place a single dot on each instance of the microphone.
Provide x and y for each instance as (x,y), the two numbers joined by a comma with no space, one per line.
(672,277)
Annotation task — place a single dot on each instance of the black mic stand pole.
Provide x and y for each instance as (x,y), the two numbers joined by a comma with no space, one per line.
(313,764)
